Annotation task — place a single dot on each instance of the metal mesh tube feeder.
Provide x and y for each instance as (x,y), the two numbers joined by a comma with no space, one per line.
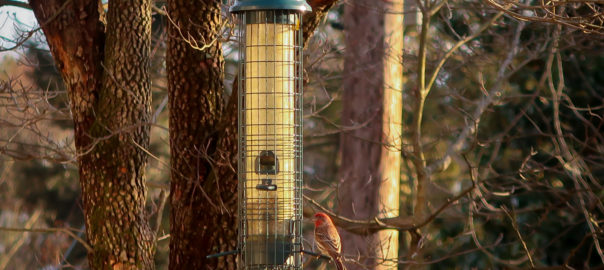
(270,133)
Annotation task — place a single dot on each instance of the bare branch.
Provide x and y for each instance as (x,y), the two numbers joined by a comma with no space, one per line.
(370,226)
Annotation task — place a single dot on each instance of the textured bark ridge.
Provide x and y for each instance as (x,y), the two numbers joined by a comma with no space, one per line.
(203,188)
(311,20)
(108,84)
(114,195)
(76,38)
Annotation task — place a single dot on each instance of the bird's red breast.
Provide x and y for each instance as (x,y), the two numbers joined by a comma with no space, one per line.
(328,239)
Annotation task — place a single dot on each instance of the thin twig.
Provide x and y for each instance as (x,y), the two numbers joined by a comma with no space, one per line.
(67,231)
(517,230)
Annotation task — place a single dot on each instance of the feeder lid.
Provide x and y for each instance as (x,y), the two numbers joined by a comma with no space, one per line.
(248,5)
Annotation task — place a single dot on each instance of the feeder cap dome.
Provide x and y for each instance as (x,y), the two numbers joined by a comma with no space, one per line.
(249,5)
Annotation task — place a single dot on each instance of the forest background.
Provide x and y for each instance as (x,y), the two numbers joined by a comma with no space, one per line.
(498,156)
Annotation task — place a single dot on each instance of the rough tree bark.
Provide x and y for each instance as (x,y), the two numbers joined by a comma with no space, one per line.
(203,136)
(108,84)
(203,217)
(371,153)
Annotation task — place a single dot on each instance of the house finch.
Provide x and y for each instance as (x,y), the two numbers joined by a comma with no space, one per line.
(328,239)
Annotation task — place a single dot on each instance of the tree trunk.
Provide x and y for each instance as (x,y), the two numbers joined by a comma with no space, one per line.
(108,85)
(371,153)
(203,197)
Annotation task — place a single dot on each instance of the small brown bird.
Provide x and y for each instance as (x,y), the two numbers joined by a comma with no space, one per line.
(328,239)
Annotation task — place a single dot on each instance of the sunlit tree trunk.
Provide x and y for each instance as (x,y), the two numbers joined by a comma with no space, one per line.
(107,76)
(371,152)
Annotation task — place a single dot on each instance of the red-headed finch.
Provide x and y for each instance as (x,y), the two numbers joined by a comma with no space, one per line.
(328,239)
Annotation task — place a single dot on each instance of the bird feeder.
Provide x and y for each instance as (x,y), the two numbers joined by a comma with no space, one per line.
(270,132)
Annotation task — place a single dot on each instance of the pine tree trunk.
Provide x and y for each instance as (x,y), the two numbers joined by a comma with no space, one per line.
(108,84)
(371,153)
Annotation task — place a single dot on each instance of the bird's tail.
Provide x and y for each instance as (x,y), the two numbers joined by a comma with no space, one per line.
(339,263)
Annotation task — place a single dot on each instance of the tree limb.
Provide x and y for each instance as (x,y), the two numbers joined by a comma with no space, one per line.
(369,226)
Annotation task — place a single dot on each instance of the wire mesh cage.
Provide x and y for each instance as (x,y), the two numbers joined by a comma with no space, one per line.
(270,139)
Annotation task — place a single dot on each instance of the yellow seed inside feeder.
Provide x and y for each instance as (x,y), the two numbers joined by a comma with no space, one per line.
(269,128)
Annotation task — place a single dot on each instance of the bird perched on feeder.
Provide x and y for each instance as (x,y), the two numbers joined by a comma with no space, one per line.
(328,239)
